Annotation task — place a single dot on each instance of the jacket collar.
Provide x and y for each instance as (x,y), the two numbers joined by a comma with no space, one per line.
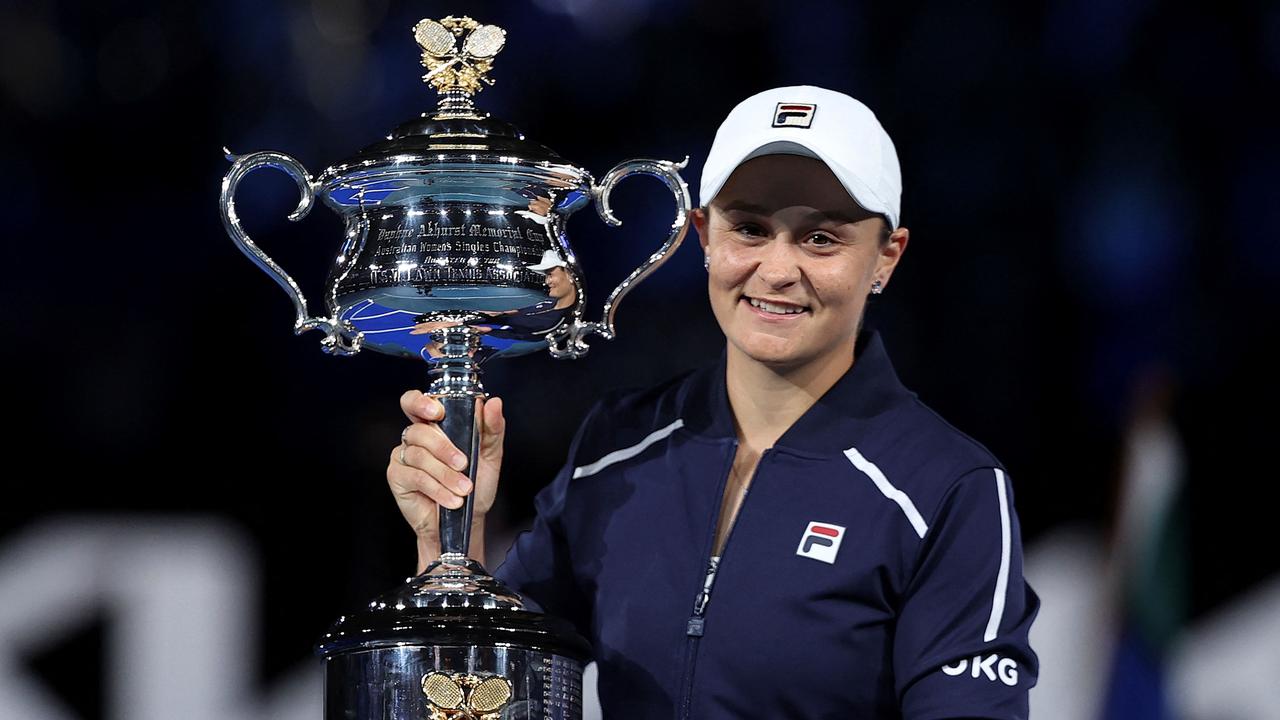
(869,388)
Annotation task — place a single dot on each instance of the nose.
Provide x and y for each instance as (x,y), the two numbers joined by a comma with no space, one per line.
(778,266)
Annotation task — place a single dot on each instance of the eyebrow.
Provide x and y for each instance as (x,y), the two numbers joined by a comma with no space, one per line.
(835,215)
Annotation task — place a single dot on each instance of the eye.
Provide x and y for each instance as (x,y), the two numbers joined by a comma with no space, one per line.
(749,229)
(820,240)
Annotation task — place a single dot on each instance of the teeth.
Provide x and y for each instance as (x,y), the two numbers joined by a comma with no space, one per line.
(775,308)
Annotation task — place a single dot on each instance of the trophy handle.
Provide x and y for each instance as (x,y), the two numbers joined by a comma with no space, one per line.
(571,341)
(340,338)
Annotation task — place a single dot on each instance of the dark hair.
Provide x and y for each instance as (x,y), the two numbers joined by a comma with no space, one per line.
(886,229)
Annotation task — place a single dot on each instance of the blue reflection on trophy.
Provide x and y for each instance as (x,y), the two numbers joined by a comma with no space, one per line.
(454,252)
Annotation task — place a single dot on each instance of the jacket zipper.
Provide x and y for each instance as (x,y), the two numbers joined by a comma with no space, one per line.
(694,626)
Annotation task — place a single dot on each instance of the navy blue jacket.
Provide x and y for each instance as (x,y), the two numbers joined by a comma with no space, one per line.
(874,569)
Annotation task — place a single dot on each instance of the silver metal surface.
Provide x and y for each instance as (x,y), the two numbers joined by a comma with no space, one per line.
(569,341)
(453,581)
(446,239)
(449,224)
(386,683)
(340,338)
(454,252)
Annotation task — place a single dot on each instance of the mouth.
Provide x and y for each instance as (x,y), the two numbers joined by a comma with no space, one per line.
(775,308)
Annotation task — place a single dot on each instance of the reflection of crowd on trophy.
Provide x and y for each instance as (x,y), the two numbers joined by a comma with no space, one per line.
(539,210)
(562,293)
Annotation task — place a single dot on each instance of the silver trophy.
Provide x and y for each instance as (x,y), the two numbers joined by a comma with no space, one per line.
(454,252)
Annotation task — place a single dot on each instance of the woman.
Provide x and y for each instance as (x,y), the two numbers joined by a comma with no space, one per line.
(790,532)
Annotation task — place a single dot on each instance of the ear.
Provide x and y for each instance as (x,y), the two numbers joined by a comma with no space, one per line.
(701,218)
(890,254)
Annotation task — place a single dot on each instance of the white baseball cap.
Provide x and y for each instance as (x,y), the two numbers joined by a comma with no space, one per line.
(550,259)
(817,123)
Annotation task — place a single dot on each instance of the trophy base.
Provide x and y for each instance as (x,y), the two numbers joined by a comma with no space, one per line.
(457,581)
(408,662)
(453,642)
(420,682)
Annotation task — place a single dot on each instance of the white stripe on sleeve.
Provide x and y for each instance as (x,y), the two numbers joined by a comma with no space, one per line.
(628,452)
(869,469)
(1002,580)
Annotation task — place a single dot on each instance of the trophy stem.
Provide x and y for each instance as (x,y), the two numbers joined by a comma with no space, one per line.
(456,382)
(455,580)
(462,426)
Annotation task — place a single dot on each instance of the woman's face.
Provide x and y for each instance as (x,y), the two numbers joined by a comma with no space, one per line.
(792,259)
(559,286)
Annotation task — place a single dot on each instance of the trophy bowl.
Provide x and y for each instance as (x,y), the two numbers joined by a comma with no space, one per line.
(454,252)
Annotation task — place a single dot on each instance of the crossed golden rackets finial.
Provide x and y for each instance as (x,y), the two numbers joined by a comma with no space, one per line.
(458,52)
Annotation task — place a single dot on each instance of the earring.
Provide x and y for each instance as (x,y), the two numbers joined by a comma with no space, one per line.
(877,287)
(706,261)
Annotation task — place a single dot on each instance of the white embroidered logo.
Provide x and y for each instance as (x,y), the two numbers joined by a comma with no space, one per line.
(821,541)
(992,666)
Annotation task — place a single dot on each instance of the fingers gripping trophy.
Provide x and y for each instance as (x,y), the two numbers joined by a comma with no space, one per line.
(449,223)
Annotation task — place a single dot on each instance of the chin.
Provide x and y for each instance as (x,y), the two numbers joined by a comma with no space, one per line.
(772,351)
(789,353)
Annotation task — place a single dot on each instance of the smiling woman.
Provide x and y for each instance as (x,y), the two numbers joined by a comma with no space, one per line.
(800,438)
(791,258)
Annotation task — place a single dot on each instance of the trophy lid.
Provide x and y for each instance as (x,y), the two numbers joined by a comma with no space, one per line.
(458,53)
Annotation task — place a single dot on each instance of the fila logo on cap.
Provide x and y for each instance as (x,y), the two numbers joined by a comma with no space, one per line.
(821,541)
(794,115)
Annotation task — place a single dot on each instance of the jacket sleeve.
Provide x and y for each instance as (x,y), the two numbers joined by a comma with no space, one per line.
(539,564)
(961,648)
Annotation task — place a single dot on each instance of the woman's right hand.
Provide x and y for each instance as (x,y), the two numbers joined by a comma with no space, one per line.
(432,471)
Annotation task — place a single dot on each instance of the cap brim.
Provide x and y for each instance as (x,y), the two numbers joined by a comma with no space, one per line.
(541,267)
(858,190)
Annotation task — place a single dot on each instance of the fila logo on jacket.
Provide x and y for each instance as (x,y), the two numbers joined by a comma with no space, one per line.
(821,541)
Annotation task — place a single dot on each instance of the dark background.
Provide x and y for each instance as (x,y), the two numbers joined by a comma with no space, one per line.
(1091,187)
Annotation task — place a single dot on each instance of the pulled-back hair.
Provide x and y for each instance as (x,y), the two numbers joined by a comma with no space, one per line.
(885,228)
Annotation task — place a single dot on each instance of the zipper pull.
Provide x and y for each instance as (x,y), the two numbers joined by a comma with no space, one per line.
(694,627)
